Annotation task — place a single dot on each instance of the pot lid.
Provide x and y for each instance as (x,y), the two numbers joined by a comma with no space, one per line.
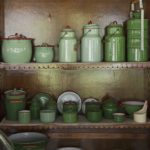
(115,24)
(91,25)
(109,103)
(17,36)
(68,29)
(44,45)
(14,92)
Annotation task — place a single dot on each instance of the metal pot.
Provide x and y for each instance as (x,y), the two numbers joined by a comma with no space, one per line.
(16,49)
(29,141)
(91,46)
(14,102)
(68,46)
(44,53)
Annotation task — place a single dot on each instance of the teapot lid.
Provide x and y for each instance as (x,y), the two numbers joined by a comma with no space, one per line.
(68,29)
(91,25)
(115,24)
(14,92)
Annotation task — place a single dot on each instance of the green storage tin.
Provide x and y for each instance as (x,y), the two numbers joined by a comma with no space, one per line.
(135,54)
(114,43)
(70,117)
(70,107)
(16,49)
(14,102)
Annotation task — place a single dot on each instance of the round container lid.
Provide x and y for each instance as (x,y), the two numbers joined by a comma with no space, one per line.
(15,92)
(44,45)
(68,29)
(90,25)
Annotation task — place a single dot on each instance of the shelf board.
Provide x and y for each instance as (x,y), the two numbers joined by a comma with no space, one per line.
(75,66)
(82,124)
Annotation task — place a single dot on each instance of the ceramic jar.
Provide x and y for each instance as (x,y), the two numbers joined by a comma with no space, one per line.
(44,53)
(16,49)
(24,116)
(68,46)
(14,102)
(109,108)
(91,46)
(70,107)
(119,117)
(115,43)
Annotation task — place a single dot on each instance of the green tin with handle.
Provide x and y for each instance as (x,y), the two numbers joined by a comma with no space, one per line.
(16,49)
(114,43)
(137,34)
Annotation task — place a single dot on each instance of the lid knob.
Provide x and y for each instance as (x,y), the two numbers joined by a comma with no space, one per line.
(90,22)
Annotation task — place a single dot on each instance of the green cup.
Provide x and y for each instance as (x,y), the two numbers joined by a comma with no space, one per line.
(119,117)
(70,117)
(47,116)
(24,116)
(94,116)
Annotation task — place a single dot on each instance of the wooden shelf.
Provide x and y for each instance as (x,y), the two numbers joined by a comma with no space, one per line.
(74,66)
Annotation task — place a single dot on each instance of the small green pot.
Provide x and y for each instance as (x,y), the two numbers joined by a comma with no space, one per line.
(92,106)
(47,116)
(24,116)
(94,116)
(70,117)
(70,107)
(119,117)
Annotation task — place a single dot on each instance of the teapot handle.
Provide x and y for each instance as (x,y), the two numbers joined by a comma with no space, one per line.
(6,141)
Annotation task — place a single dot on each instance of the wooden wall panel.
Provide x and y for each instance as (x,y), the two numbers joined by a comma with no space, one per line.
(1,17)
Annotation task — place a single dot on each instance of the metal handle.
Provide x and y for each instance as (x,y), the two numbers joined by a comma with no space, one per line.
(16,35)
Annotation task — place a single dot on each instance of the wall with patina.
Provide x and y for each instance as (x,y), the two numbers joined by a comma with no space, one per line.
(1,17)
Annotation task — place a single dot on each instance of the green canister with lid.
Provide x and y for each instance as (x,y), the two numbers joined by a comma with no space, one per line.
(114,43)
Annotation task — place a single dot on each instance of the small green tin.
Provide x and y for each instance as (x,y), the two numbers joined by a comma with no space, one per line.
(119,117)
(70,117)
(70,107)
(24,116)
(92,106)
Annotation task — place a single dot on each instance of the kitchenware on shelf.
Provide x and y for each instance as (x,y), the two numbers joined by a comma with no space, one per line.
(47,116)
(69,148)
(17,49)
(35,110)
(6,144)
(137,34)
(92,106)
(84,103)
(44,53)
(24,116)
(51,105)
(29,140)
(68,46)
(94,115)
(109,108)
(70,107)
(114,43)
(68,97)
(70,117)
(14,102)
(141,115)
(119,117)
(132,106)
(42,99)
(91,46)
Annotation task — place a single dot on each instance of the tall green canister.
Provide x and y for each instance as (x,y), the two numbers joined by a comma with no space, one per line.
(137,35)
(114,43)
(68,46)
(91,45)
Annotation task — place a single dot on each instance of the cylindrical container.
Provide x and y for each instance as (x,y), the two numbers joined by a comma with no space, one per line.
(14,102)
(29,141)
(91,46)
(94,116)
(70,117)
(135,53)
(92,106)
(119,117)
(109,108)
(35,111)
(140,117)
(47,116)
(17,49)
(115,43)
(68,46)
(44,53)
(24,116)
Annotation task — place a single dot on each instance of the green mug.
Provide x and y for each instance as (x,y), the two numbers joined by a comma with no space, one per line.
(24,116)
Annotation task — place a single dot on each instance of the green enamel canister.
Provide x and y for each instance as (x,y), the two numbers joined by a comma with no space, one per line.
(68,46)
(17,49)
(137,36)
(114,43)
(91,45)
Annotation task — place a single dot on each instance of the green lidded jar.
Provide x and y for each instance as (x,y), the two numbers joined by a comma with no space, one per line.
(68,46)
(14,102)
(91,45)
(70,117)
(44,53)
(134,40)
(115,43)
(109,108)
(70,107)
